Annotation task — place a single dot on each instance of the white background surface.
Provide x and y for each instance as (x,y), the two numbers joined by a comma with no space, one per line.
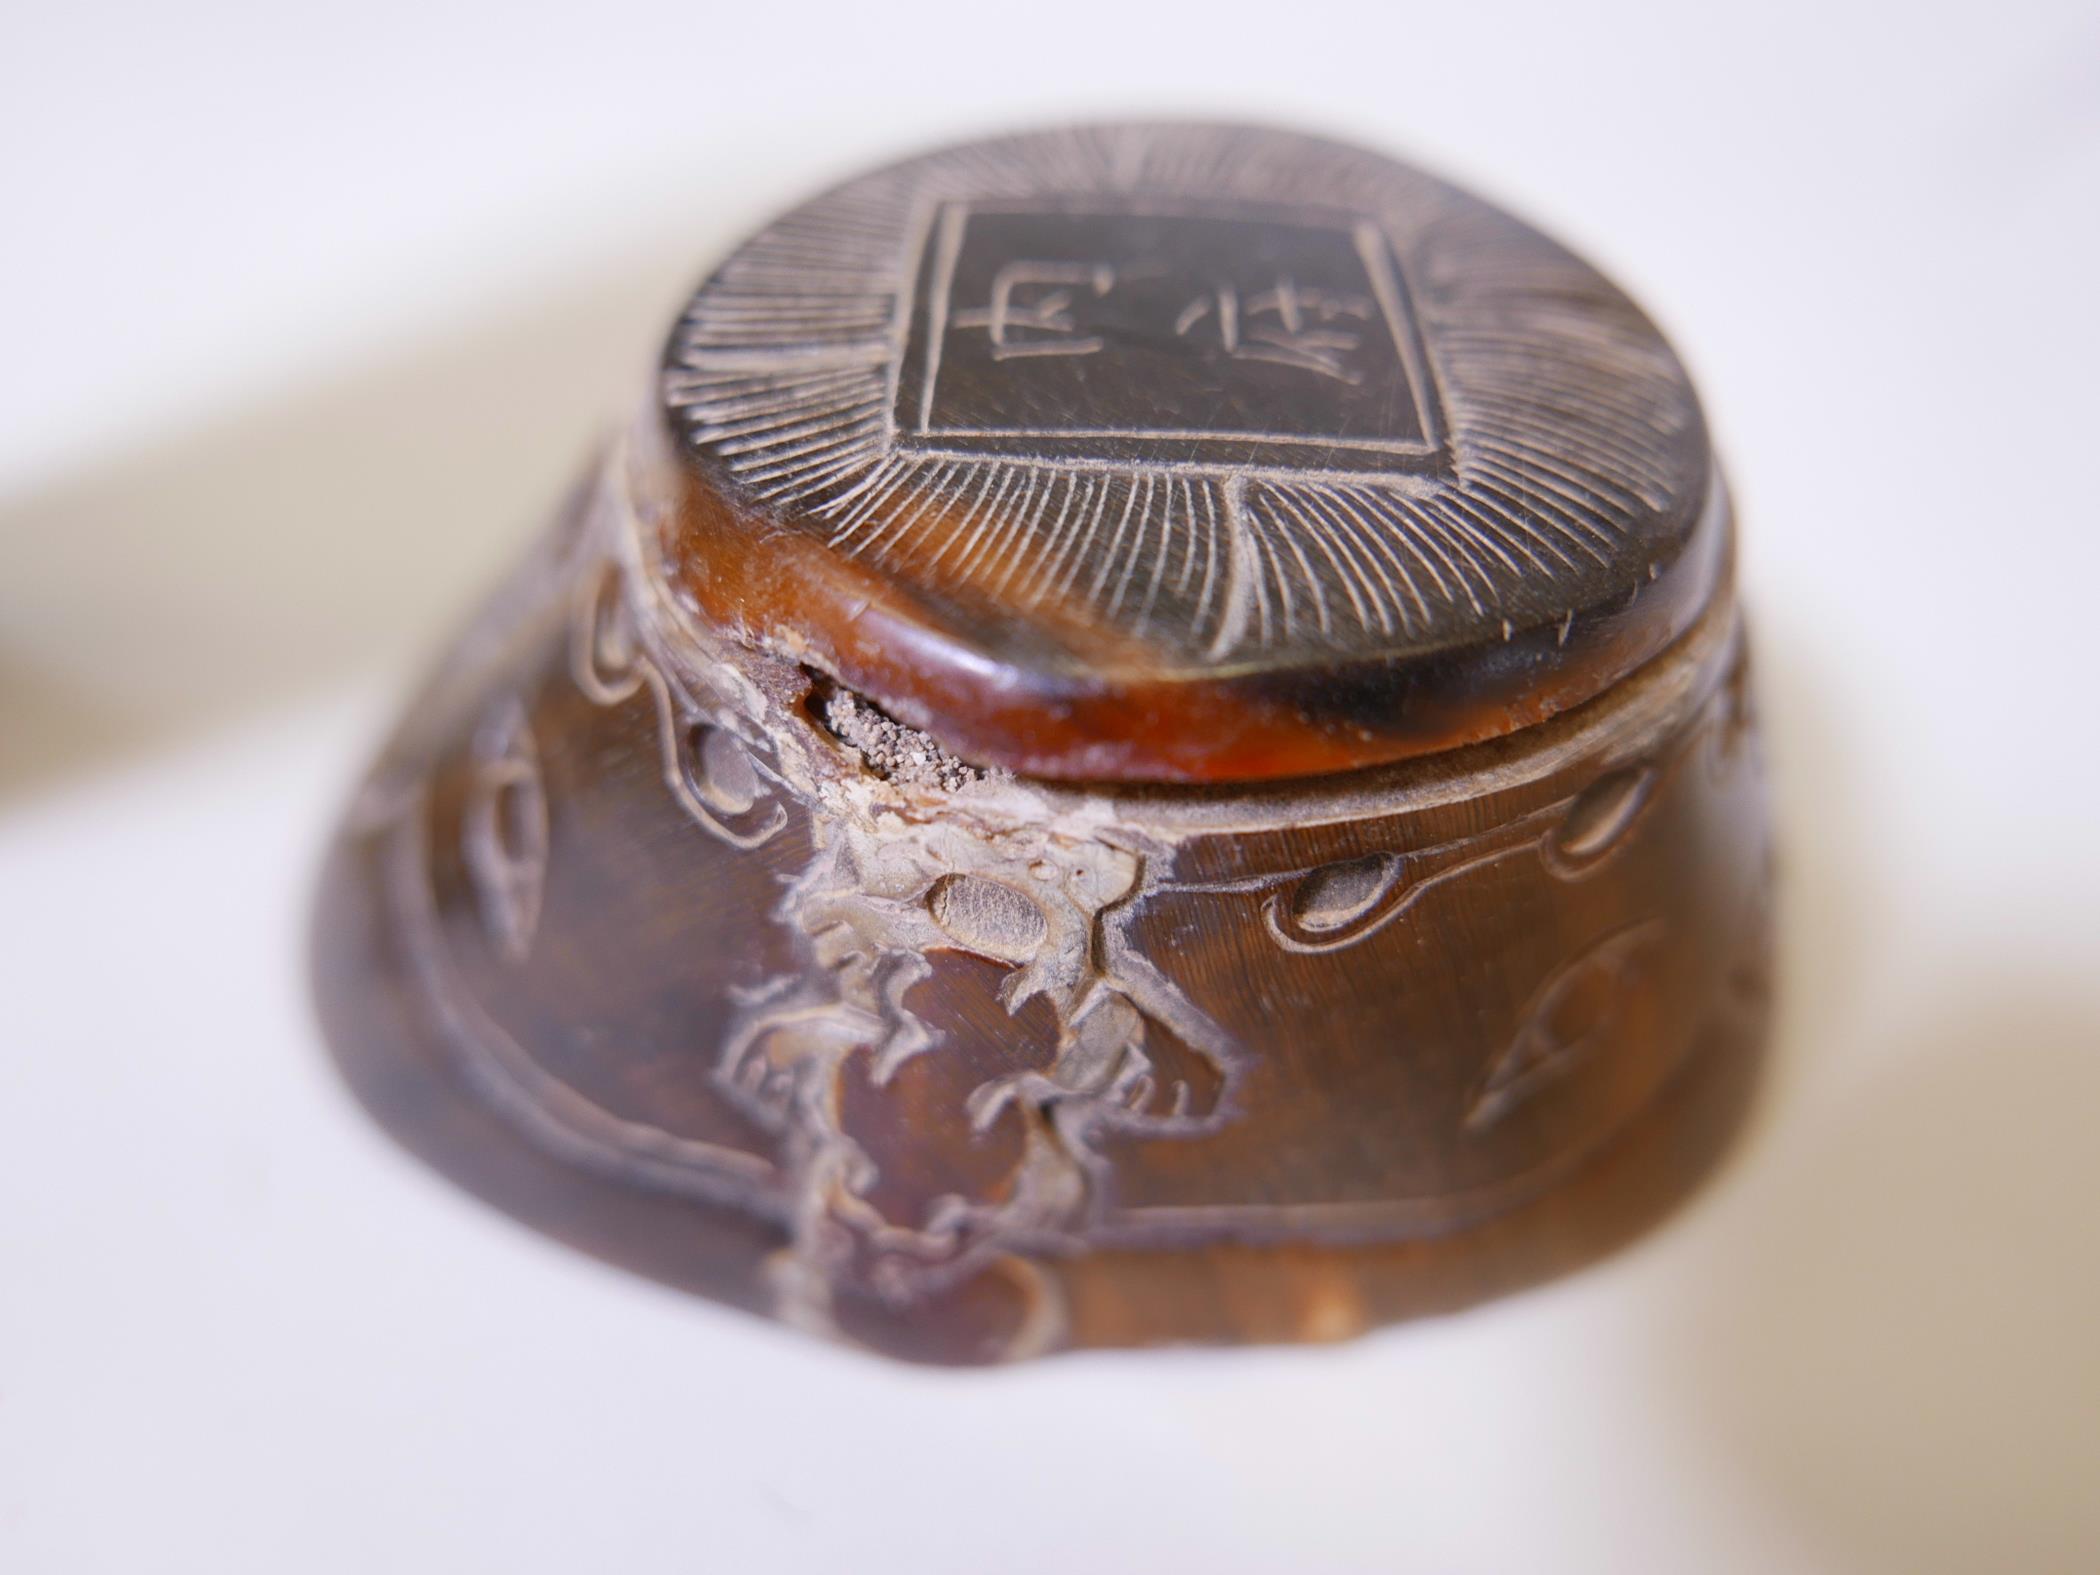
(308,315)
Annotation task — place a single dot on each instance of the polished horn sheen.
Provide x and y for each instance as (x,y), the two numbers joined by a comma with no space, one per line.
(1144,740)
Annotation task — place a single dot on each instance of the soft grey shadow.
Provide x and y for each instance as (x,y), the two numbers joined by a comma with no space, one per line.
(1892,1337)
(284,546)
(1826,942)
(1899,1346)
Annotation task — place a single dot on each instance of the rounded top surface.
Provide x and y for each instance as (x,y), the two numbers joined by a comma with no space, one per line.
(1185,453)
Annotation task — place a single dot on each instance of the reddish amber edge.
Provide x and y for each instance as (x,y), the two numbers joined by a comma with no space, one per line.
(782,590)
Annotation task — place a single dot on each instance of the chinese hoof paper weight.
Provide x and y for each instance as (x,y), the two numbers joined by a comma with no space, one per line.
(1145,740)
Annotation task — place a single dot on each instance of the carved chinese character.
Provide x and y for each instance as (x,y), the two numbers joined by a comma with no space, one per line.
(1030,312)
(1289,325)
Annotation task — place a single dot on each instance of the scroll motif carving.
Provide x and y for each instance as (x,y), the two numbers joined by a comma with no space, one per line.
(715,773)
(1336,906)
(506,828)
(1572,1015)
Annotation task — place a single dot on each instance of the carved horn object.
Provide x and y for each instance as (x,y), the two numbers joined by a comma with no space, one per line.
(1144,740)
